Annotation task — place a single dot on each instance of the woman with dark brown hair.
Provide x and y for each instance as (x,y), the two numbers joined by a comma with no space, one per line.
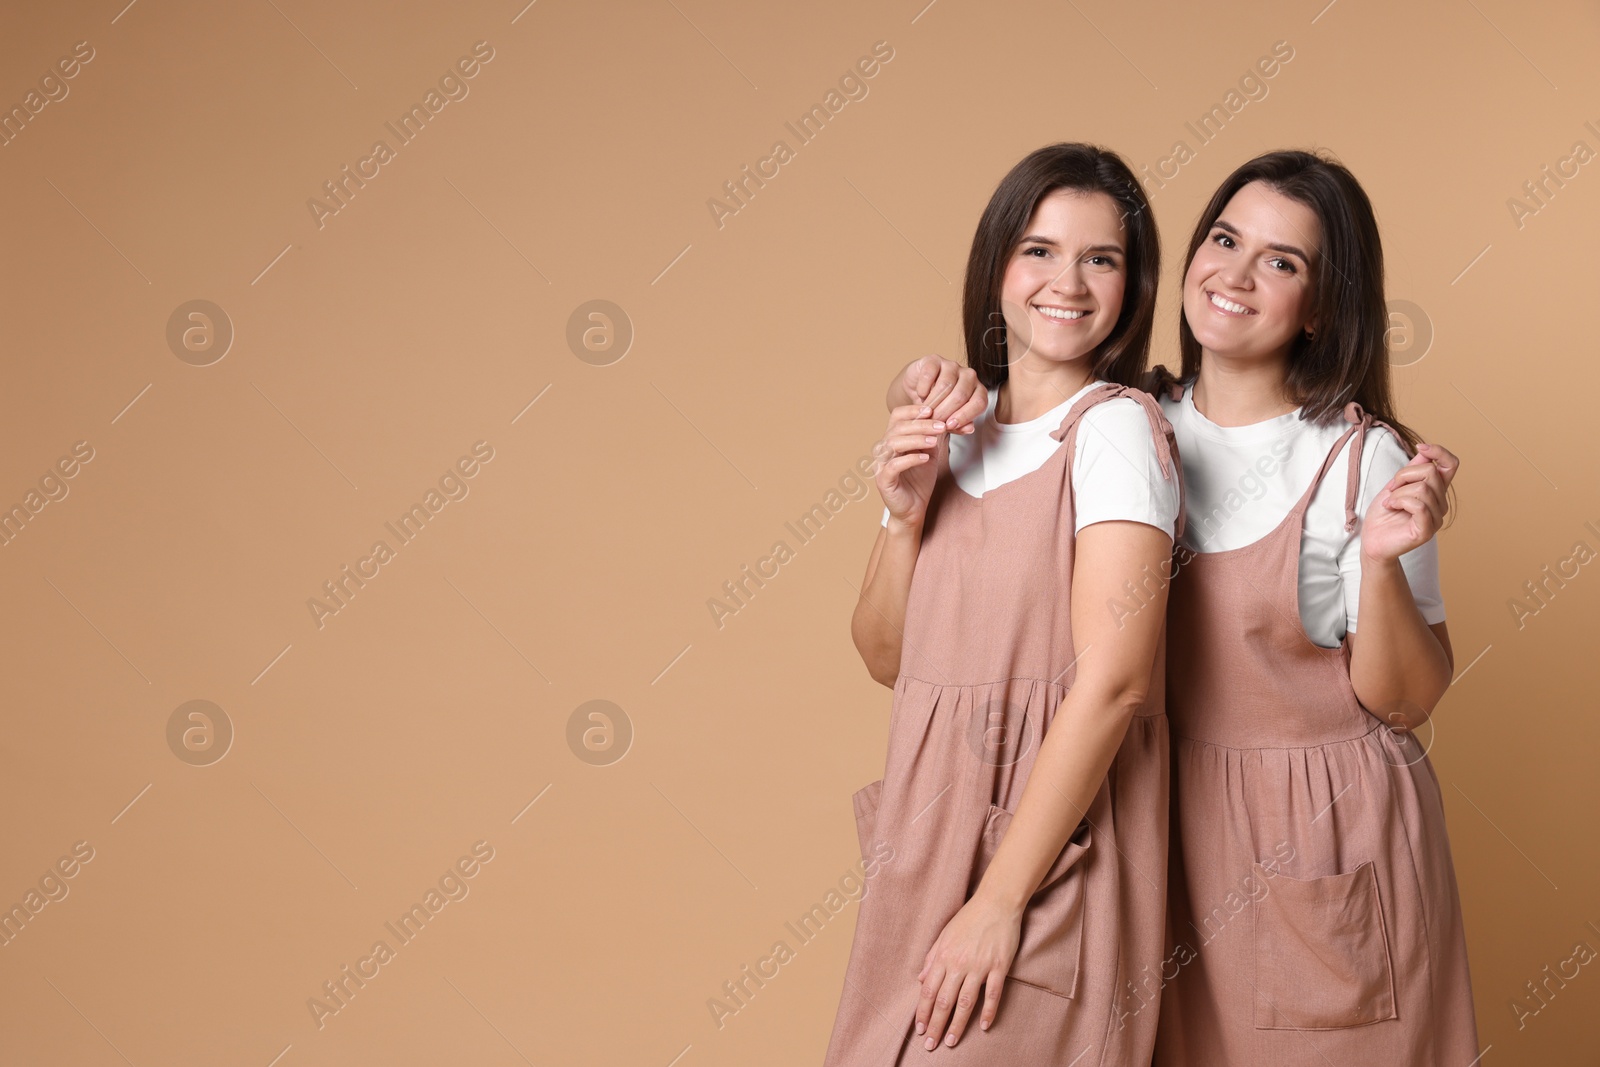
(1313,903)
(1015,602)
(1313,899)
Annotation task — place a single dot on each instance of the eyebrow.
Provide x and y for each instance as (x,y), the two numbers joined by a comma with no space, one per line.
(1038,239)
(1291,249)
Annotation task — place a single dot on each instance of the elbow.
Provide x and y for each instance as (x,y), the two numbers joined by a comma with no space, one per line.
(1123,697)
(1404,712)
(882,664)
(1130,698)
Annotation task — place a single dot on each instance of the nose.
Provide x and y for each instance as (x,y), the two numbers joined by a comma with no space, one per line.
(1070,281)
(1236,274)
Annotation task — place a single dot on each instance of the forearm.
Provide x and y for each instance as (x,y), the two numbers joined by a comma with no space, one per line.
(1115,654)
(880,616)
(1073,761)
(1397,663)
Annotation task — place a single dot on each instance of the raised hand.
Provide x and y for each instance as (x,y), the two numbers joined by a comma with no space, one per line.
(908,462)
(952,392)
(1412,507)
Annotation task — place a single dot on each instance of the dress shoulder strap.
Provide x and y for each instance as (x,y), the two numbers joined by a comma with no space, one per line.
(1361,422)
(1165,437)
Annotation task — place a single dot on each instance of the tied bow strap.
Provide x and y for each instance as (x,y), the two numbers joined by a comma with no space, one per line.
(1166,446)
(1353,413)
(1160,428)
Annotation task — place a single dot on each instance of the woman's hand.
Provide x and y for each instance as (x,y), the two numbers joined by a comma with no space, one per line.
(949,389)
(908,463)
(1411,508)
(972,955)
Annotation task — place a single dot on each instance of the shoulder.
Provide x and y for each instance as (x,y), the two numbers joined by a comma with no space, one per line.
(1381,451)
(1123,417)
(1383,456)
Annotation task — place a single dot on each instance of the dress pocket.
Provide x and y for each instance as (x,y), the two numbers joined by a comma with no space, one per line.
(1322,952)
(1050,949)
(865,802)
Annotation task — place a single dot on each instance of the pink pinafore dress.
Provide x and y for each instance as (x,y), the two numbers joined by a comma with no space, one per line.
(1313,905)
(988,656)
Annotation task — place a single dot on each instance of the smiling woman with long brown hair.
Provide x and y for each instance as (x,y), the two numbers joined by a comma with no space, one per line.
(1313,905)
(1024,796)
(1301,794)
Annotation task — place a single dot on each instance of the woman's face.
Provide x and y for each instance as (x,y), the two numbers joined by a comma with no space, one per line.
(1062,290)
(1248,290)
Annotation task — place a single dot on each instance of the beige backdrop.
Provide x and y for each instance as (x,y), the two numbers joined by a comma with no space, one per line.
(234,456)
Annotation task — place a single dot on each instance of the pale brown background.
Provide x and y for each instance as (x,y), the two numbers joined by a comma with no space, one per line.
(371,753)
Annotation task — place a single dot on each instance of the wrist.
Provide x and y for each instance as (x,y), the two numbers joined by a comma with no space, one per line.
(898,527)
(1008,900)
(1379,563)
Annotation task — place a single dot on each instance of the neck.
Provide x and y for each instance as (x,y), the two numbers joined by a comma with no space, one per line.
(1030,390)
(1237,392)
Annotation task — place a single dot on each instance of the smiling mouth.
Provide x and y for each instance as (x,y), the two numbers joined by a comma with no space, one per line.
(1222,303)
(1061,314)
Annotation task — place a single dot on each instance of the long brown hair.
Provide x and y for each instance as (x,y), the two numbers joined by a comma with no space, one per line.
(1123,355)
(1348,358)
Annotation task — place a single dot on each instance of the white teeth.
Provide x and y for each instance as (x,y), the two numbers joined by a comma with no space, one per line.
(1229,305)
(1057,313)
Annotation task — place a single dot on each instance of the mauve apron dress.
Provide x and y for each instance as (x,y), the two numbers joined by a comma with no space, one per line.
(1314,911)
(987,658)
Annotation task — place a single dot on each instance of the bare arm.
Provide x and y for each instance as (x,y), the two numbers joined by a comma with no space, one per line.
(1401,666)
(1116,653)
(880,618)
(952,396)
(907,470)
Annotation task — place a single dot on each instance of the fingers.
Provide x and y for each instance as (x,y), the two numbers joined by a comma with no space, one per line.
(956,396)
(933,978)
(1426,478)
(894,467)
(1426,523)
(920,375)
(932,378)
(908,420)
(961,420)
(1429,495)
(1443,459)
(966,1000)
(907,413)
(943,1004)
(991,999)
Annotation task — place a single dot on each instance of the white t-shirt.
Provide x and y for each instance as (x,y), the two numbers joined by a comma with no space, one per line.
(1115,471)
(1241,481)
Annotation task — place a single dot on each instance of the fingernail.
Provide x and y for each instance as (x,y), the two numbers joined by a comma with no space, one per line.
(931,440)
(938,425)
(920,1026)
(925,411)
(950,1039)
(930,1044)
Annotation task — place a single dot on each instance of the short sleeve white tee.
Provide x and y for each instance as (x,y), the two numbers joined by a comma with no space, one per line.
(1241,481)
(1116,473)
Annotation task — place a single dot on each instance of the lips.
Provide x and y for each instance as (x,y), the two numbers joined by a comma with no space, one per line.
(1226,306)
(1055,314)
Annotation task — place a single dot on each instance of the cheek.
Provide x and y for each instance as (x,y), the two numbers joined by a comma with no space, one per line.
(1109,291)
(1287,301)
(1020,281)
